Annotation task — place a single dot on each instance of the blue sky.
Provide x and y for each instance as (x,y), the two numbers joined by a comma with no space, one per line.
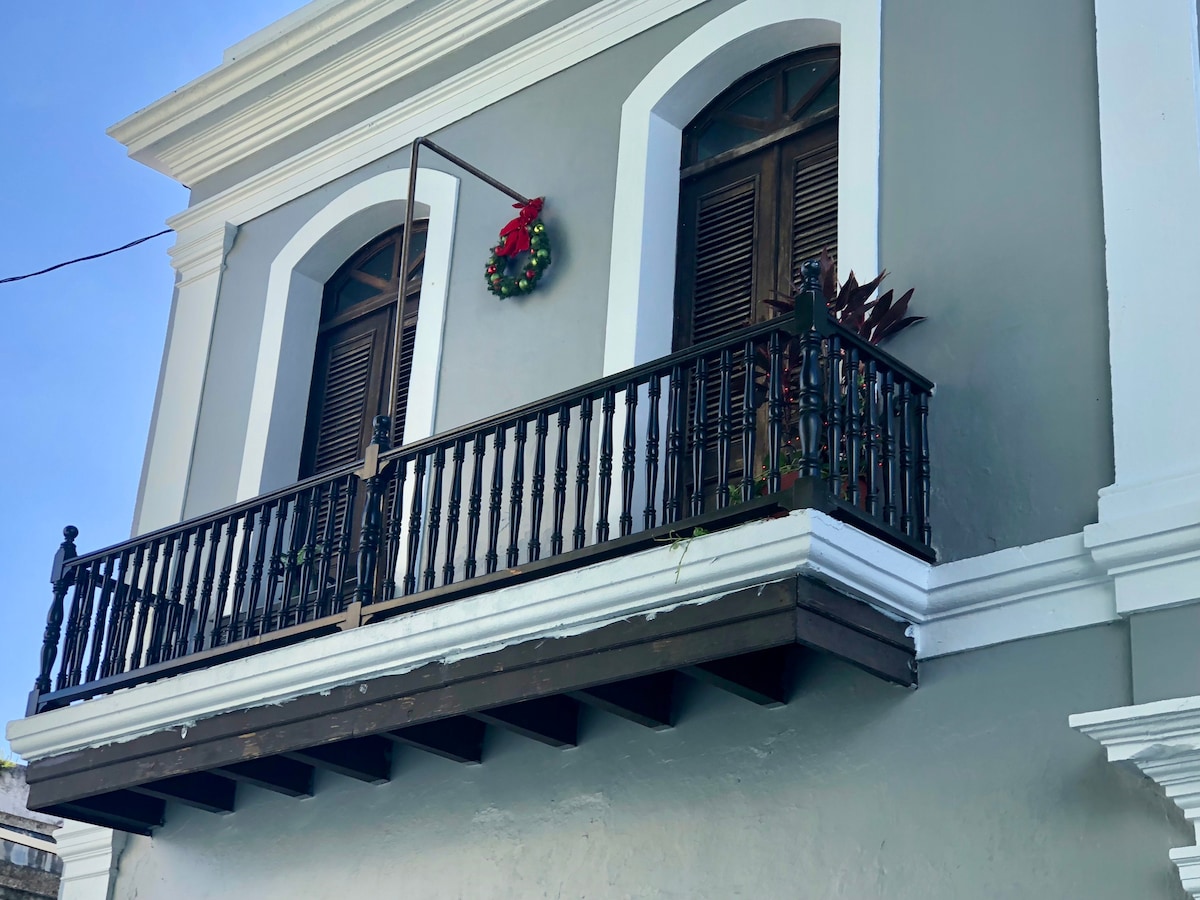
(80,348)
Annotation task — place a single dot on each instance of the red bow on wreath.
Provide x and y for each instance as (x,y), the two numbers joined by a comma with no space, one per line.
(516,233)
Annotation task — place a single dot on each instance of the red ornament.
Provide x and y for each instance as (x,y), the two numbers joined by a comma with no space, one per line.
(491,270)
(530,273)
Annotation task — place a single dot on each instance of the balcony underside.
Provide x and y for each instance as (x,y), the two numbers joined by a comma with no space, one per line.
(746,642)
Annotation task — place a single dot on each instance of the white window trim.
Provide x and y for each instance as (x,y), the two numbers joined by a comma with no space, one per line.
(642,273)
(279,401)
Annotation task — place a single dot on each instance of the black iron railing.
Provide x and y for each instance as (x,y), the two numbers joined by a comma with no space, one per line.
(793,412)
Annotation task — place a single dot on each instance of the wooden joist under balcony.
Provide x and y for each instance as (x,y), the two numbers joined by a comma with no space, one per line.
(746,642)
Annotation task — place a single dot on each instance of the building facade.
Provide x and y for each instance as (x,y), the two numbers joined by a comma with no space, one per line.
(782,612)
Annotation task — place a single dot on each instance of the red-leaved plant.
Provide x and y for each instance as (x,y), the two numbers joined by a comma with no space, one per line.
(852,306)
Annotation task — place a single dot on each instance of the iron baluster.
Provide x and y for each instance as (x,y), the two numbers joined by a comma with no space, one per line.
(628,459)
(775,409)
(699,433)
(560,480)
(653,398)
(833,441)
(874,438)
(537,490)
(583,473)
(749,417)
(454,510)
(371,534)
(475,503)
(492,557)
(887,403)
(853,427)
(906,458)
(925,531)
(61,578)
(272,618)
(433,529)
(336,601)
(724,425)
(516,494)
(608,407)
(672,490)
(206,587)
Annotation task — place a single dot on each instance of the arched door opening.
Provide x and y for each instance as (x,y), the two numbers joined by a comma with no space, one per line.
(758,193)
(353,360)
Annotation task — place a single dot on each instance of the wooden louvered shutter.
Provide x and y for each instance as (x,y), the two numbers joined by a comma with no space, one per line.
(348,378)
(723,262)
(809,205)
(351,370)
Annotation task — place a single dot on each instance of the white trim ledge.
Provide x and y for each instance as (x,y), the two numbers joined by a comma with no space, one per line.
(1162,740)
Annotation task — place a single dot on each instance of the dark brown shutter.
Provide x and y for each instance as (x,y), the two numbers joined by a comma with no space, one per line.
(345,403)
(353,360)
(408,340)
(723,299)
(347,384)
(813,206)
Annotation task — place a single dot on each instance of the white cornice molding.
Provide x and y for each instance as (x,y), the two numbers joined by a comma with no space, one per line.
(1148,541)
(89,854)
(198,255)
(238,75)
(1162,740)
(583,35)
(192,155)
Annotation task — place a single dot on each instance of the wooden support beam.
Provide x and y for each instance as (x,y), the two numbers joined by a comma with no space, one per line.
(273,773)
(648,700)
(459,739)
(120,810)
(551,720)
(200,790)
(368,759)
(762,677)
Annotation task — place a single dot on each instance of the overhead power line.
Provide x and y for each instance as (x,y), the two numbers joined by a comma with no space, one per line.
(71,262)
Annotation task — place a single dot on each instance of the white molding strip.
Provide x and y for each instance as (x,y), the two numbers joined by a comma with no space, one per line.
(1162,740)
(642,273)
(293,306)
(89,854)
(604,25)
(17,837)
(968,604)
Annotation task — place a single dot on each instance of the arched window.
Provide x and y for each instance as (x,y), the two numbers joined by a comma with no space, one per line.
(758,193)
(352,366)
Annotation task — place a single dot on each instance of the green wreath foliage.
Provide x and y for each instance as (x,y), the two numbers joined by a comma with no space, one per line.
(527,268)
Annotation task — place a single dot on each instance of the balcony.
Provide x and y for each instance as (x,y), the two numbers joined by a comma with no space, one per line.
(794,413)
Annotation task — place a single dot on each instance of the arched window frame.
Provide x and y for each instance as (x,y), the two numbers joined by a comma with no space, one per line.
(279,400)
(642,269)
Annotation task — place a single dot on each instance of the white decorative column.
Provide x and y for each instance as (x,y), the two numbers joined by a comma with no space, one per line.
(1150,166)
(199,261)
(1162,740)
(89,854)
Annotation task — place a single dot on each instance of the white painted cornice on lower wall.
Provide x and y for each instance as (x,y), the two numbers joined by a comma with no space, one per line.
(1162,740)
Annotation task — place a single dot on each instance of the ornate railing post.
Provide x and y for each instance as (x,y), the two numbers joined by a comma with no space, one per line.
(809,305)
(61,577)
(372,516)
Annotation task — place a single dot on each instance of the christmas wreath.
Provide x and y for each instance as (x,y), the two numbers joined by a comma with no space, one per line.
(524,236)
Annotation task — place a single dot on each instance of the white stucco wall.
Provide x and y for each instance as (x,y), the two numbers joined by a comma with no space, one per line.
(970,787)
